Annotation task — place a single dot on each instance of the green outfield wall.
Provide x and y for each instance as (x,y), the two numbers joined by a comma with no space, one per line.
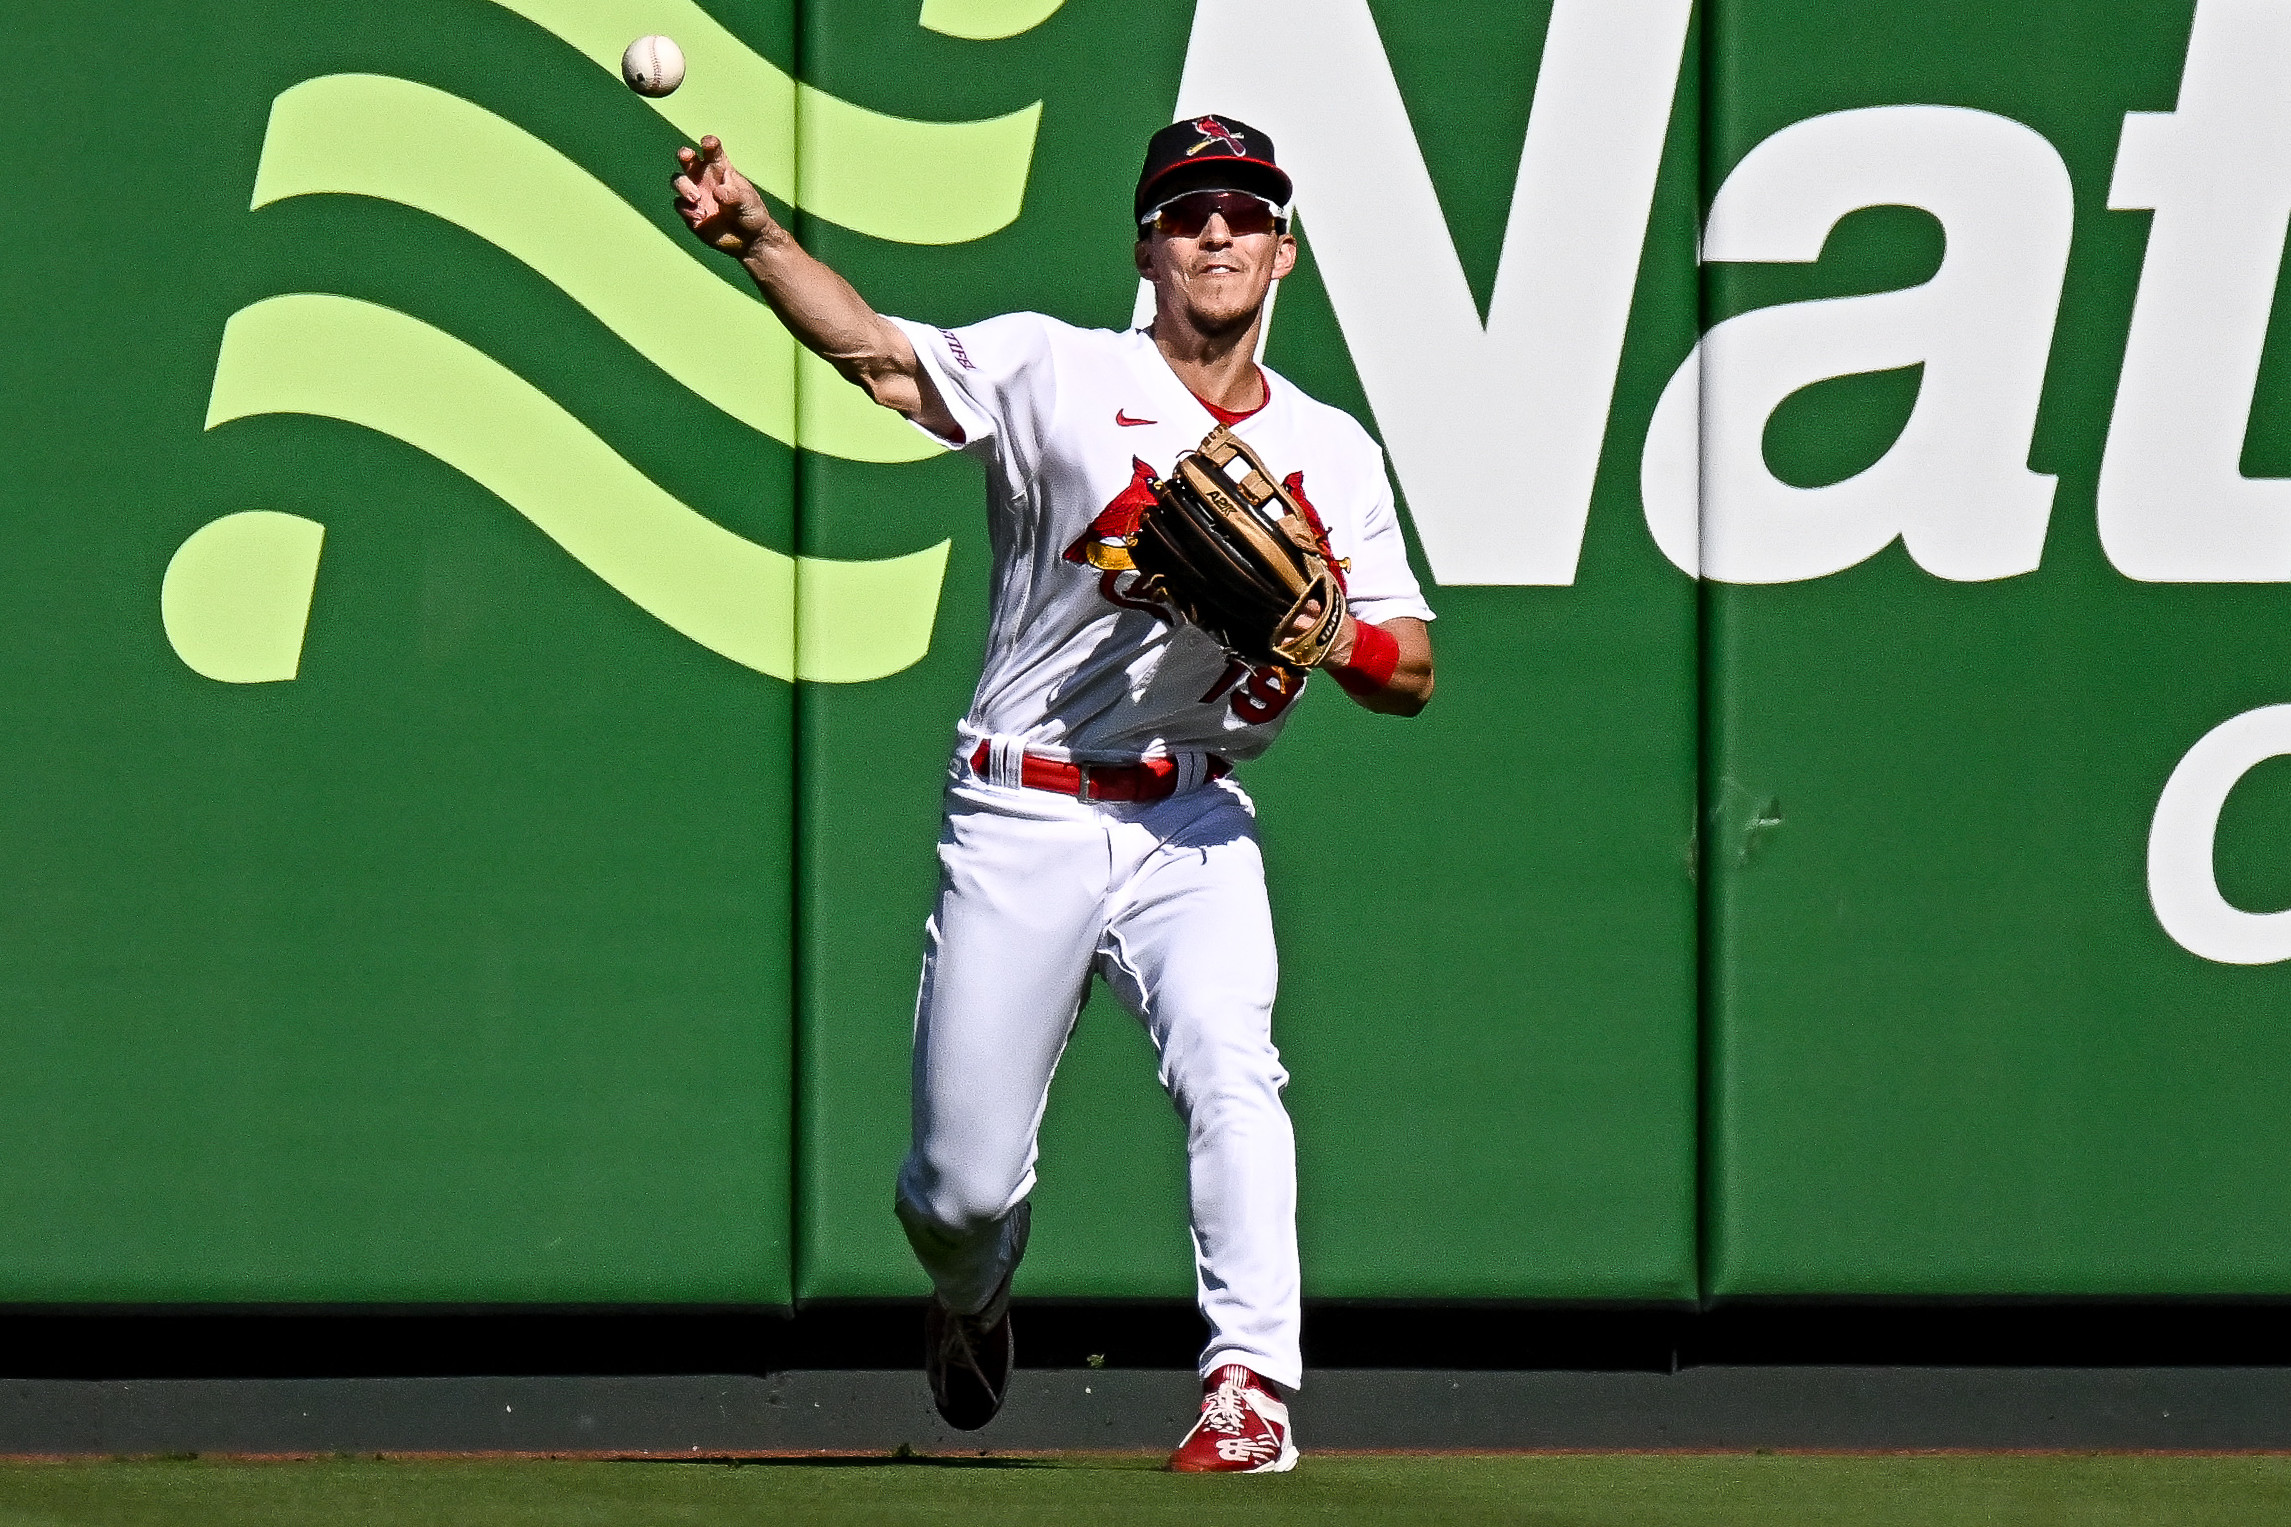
(481,698)
(1954,1048)
(457,966)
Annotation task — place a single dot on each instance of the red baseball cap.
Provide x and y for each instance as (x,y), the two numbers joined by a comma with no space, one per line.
(1209,154)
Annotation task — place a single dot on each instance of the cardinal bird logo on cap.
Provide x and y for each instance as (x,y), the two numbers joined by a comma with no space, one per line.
(1214,132)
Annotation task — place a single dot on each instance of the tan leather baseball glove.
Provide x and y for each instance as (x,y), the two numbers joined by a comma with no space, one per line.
(1240,555)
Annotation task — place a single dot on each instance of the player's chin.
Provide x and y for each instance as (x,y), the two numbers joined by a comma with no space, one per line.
(1225,312)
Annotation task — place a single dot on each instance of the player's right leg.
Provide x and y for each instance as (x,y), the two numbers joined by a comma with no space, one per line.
(1007,956)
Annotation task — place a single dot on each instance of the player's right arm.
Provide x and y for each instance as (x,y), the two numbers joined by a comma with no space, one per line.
(821,309)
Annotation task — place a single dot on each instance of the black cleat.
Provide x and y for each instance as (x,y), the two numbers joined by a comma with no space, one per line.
(968,1359)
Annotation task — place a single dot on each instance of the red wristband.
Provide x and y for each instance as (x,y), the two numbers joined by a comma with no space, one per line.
(1375,658)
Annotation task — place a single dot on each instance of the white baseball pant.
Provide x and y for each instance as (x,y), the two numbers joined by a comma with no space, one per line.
(1166,901)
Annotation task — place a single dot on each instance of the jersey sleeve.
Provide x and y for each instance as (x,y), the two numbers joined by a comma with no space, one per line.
(1380,585)
(997,377)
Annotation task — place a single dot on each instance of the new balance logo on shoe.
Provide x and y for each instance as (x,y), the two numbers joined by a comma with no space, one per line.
(1244,1428)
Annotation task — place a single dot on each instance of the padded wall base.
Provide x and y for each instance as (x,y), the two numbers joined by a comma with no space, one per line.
(878,1411)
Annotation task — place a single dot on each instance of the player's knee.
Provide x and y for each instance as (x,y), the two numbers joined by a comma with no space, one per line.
(957,1199)
(1220,1077)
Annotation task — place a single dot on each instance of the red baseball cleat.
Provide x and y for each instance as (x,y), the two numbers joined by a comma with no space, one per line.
(1244,1428)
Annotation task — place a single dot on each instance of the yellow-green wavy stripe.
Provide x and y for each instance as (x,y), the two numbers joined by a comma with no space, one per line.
(371,135)
(987,20)
(890,177)
(313,353)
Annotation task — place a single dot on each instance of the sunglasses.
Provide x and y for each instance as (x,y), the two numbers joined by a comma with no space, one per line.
(1183,217)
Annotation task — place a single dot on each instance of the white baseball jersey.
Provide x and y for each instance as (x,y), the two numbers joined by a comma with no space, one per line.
(1071,424)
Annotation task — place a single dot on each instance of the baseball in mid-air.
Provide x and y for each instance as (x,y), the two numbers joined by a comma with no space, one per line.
(653,66)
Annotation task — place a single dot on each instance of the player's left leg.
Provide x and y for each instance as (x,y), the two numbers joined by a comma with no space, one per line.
(1189,949)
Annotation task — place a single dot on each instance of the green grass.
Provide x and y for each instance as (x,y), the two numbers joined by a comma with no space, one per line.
(1608,1490)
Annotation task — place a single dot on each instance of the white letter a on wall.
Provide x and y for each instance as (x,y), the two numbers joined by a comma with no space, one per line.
(1955,486)
(1495,431)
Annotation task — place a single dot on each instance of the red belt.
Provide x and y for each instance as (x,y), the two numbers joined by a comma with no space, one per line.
(1149,779)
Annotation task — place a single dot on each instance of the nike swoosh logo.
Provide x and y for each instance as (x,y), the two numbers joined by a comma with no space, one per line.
(1123,418)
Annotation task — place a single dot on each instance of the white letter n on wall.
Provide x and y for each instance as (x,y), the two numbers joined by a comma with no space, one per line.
(1495,432)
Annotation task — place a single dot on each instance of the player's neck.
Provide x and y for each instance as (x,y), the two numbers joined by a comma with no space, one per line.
(1218,368)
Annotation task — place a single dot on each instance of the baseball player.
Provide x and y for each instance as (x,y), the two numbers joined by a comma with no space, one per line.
(1093,821)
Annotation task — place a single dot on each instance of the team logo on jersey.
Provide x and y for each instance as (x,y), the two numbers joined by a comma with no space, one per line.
(1106,544)
(1214,132)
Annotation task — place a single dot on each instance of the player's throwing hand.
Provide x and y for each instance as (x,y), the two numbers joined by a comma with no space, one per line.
(717,202)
